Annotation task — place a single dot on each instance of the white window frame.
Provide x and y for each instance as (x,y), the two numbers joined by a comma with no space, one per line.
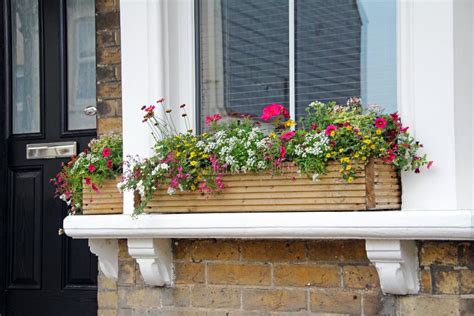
(435,205)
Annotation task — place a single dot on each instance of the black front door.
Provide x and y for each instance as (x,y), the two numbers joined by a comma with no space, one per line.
(48,79)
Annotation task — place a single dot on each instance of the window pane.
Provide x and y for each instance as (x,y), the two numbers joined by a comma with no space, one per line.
(244,55)
(81,63)
(345,48)
(25,67)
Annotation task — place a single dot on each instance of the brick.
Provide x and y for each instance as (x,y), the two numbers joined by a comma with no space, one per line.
(109,125)
(360,277)
(105,6)
(106,39)
(425,305)
(445,281)
(187,273)
(135,297)
(176,296)
(108,56)
(107,312)
(425,281)
(307,275)
(107,20)
(347,251)
(241,274)
(106,73)
(274,300)
(109,108)
(105,283)
(335,301)
(445,253)
(126,275)
(109,90)
(107,299)
(182,249)
(467,307)
(215,250)
(216,297)
(123,250)
(273,251)
(467,281)
(372,303)
(466,254)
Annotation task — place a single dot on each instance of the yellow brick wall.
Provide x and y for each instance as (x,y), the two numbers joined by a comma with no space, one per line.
(256,277)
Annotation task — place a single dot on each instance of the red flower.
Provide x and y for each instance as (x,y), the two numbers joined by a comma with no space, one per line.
(329,129)
(380,122)
(314,126)
(106,152)
(92,168)
(95,187)
(395,116)
(273,110)
(282,152)
(88,180)
(288,135)
(109,164)
(212,118)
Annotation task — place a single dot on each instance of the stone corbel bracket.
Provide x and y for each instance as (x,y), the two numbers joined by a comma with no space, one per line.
(155,259)
(107,250)
(397,265)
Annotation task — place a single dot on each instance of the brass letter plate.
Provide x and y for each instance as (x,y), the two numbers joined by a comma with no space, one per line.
(51,150)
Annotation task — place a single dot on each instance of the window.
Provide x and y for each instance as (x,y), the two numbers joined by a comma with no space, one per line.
(253,53)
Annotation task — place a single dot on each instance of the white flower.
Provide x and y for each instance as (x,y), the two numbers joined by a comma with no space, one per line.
(171,191)
(315,177)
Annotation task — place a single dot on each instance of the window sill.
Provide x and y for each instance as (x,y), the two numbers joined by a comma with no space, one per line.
(389,236)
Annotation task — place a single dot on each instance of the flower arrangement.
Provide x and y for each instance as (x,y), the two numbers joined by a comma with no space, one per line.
(101,160)
(328,132)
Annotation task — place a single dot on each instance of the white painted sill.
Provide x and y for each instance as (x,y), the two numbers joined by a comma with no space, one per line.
(389,237)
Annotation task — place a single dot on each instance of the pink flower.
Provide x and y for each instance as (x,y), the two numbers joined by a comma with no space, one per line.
(380,122)
(88,180)
(282,152)
(91,168)
(329,129)
(273,110)
(109,164)
(212,118)
(395,116)
(106,152)
(287,136)
(430,164)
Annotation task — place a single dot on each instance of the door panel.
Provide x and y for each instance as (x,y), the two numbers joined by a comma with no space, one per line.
(54,274)
(25,192)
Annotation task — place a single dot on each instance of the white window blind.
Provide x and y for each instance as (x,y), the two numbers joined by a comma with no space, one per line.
(339,49)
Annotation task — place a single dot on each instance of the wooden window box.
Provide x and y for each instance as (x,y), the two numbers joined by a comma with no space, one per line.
(108,200)
(377,187)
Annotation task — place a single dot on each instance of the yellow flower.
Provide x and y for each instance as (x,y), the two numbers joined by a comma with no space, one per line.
(341,150)
(333,133)
(372,147)
(348,168)
(289,123)
(272,135)
(364,147)
(345,159)
(193,153)
(194,163)
(328,155)
(359,133)
(378,131)
(349,128)
(364,158)
(367,141)
(205,135)
(205,156)
(193,187)
(356,155)
(178,154)
(350,179)
(382,149)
